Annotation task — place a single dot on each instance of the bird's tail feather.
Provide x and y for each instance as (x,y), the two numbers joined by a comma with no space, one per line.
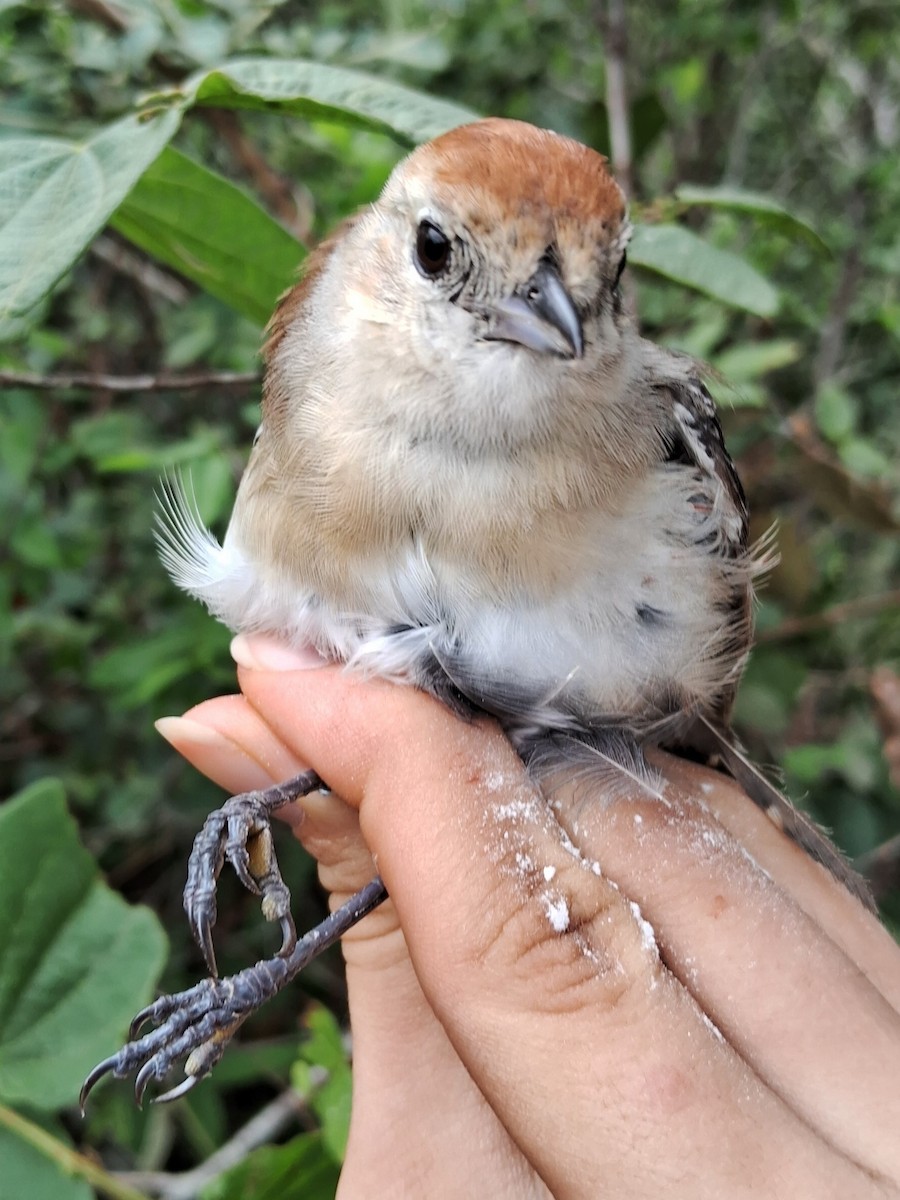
(708,737)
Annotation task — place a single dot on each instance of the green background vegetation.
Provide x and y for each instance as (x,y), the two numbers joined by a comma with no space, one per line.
(164,166)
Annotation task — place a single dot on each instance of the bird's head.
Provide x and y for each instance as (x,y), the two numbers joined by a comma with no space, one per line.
(481,287)
(521,230)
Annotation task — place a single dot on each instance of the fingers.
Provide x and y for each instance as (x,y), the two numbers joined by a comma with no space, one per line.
(798,1010)
(228,741)
(406,1072)
(526,952)
(856,931)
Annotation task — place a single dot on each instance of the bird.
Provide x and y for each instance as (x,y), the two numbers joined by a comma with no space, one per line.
(474,475)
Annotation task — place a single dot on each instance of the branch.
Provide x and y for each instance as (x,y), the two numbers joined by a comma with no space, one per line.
(69,1161)
(163,382)
(263,1128)
(144,272)
(617,95)
(294,209)
(862,606)
(834,327)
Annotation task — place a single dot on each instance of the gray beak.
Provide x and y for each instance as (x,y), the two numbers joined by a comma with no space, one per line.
(539,315)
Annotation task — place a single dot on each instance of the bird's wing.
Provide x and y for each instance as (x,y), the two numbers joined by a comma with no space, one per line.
(696,440)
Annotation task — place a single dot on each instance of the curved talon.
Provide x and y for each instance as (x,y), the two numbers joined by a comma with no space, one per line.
(288,935)
(202,931)
(140,1020)
(199,1023)
(147,1072)
(240,861)
(178,1091)
(240,832)
(101,1069)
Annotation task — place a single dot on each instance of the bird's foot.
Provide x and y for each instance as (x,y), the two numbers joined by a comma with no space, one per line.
(240,831)
(196,1025)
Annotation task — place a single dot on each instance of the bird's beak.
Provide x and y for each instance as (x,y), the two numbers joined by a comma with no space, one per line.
(539,315)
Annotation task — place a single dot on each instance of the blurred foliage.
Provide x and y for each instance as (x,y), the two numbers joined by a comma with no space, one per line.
(765,168)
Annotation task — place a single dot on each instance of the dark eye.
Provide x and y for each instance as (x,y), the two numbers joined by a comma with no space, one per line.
(619,270)
(432,249)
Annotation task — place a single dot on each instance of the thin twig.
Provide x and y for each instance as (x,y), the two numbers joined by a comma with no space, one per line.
(617,95)
(165,381)
(69,1161)
(834,327)
(144,272)
(751,93)
(862,606)
(293,207)
(264,1127)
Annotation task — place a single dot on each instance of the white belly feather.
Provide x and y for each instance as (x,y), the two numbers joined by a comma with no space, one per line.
(634,621)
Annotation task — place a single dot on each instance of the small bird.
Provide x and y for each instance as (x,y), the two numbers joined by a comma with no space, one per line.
(473,475)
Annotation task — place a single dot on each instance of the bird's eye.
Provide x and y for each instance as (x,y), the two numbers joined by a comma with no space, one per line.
(432,249)
(619,270)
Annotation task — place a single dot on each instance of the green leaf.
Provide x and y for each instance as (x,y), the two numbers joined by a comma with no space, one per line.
(678,254)
(757,204)
(323,1076)
(212,233)
(56,195)
(27,1172)
(139,670)
(862,458)
(317,91)
(743,363)
(76,960)
(836,412)
(298,1170)
(809,762)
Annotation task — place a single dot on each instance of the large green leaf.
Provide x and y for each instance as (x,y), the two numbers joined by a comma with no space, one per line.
(56,195)
(754,359)
(329,1097)
(756,204)
(301,1169)
(76,961)
(678,254)
(27,1172)
(209,230)
(315,90)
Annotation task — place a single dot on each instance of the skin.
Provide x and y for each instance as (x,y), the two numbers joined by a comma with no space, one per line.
(519,1030)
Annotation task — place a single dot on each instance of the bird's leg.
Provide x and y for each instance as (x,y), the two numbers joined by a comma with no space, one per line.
(198,1024)
(241,831)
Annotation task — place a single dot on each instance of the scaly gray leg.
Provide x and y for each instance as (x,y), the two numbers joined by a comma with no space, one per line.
(198,1024)
(241,832)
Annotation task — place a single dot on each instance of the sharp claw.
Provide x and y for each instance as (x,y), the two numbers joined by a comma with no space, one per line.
(95,1076)
(144,1075)
(288,936)
(201,1021)
(139,1022)
(202,929)
(240,861)
(176,1092)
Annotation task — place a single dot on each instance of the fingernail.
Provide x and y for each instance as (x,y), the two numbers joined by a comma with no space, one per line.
(180,730)
(214,754)
(266,654)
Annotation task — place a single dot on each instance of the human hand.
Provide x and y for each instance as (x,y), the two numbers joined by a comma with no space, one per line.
(519,1029)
